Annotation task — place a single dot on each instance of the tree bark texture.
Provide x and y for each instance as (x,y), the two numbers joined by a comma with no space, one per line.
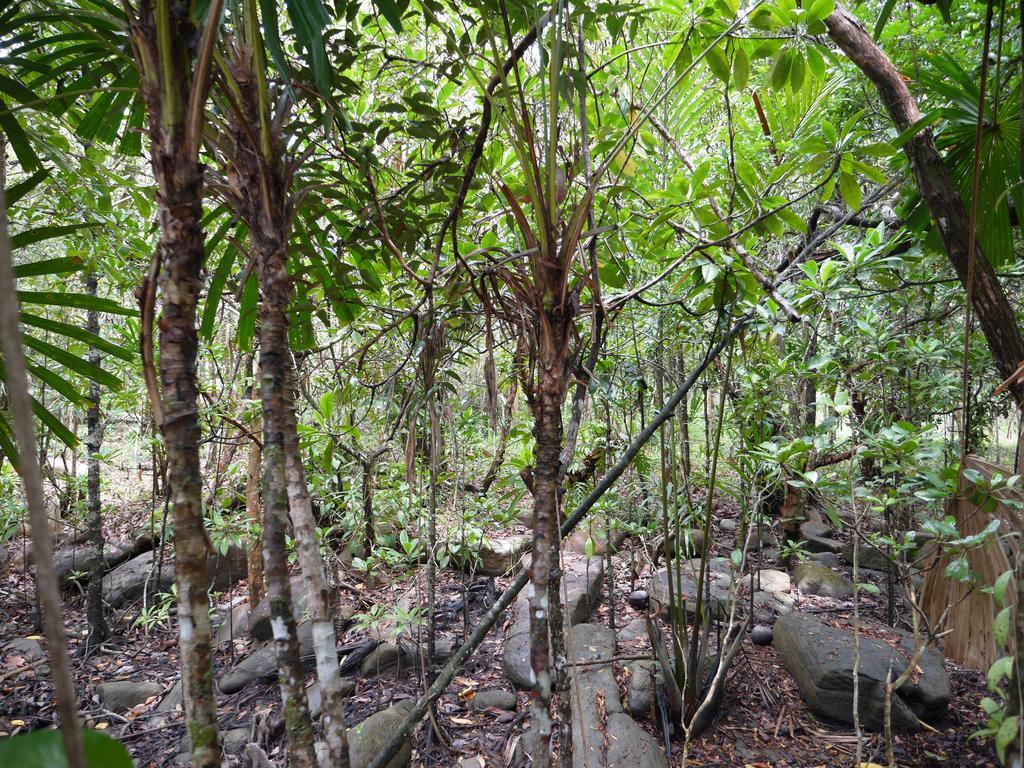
(261,196)
(93,443)
(167,87)
(47,588)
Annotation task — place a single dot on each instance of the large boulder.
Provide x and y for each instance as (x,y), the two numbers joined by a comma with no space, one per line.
(818,537)
(367,740)
(685,588)
(596,530)
(138,576)
(603,734)
(72,562)
(582,585)
(867,557)
(496,557)
(120,695)
(262,664)
(813,578)
(821,660)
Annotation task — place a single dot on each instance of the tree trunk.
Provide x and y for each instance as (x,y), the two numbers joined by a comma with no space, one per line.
(31,477)
(93,443)
(179,184)
(991,307)
(547,432)
(254,557)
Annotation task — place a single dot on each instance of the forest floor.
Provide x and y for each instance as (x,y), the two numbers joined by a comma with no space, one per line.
(762,721)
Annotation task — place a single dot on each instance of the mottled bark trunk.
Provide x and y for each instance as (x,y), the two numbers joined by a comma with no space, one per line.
(254,556)
(547,431)
(273,387)
(179,193)
(32,480)
(277,374)
(367,493)
(93,443)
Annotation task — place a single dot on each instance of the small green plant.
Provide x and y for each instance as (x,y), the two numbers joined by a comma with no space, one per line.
(158,614)
(793,551)
(1000,725)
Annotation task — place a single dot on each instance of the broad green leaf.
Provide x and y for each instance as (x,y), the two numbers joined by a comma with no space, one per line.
(45,749)
(73,362)
(76,300)
(61,265)
(780,69)
(740,69)
(850,190)
(40,234)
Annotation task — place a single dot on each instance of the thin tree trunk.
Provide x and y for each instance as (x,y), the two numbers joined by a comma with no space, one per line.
(31,477)
(254,557)
(93,443)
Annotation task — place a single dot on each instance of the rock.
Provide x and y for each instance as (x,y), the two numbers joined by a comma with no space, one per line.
(76,559)
(496,698)
(5,561)
(261,664)
(235,623)
(638,600)
(120,695)
(472,762)
(316,704)
(687,590)
(818,537)
(596,529)
(643,679)
(768,580)
(583,581)
(820,658)
(366,740)
(132,578)
(496,557)
(768,605)
(388,656)
(232,742)
(729,525)
(867,557)
(139,575)
(172,700)
(830,559)
(813,578)
(761,635)
(28,647)
(756,539)
(633,631)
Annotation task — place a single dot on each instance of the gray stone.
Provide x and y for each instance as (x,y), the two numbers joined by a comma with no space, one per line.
(366,740)
(815,528)
(496,557)
(496,698)
(582,584)
(729,525)
(821,658)
(813,543)
(686,589)
(867,557)
(813,578)
(172,700)
(120,695)
(472,762)
(261,664)
(232,742)
(638,599)
(388,656)
(643,679)
(768,605)
(316,704)
(598,718)
(138,576)
(76,559)
(597,530)
(28,647)
(635,630)
(761,635)
(768,580)
(5,561)
(830,559)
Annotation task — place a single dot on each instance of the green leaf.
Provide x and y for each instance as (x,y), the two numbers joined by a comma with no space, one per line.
(740,69)
(45,749)
(883,18)
(392,11)
(76,300)
(73,362)
(247,313)
(79,334)
(999,588)
(39,234)
(780,69)
(850,190)
(22,188)
(1005,736)
(819,10)
(796,71)
(58,266)
(1000,668)
(718,64)
(1001,626)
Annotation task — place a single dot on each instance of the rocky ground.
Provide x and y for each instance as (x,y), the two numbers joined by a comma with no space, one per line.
(783,702)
